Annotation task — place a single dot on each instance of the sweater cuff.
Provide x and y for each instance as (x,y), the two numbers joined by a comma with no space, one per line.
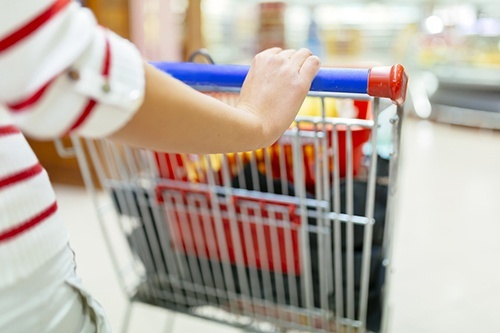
(117,87)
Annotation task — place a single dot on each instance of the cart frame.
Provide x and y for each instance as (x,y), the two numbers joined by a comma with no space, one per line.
(309,307)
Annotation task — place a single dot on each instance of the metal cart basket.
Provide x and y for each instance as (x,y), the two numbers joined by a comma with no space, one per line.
(293,237)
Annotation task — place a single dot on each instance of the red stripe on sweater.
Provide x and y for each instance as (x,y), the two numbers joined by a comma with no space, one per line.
(26,225)
(8,130)
(92,103)
(85,113)
(33,25)
(18,106)
(107,59)
(20,176)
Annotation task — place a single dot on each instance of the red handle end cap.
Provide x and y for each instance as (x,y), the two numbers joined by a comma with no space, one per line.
(389,82)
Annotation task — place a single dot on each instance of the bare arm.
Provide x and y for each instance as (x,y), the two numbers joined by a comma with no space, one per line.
(176,118)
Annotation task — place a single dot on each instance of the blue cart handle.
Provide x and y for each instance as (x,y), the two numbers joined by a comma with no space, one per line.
(387,82)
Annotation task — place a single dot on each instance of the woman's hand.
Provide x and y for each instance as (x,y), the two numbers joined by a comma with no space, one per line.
(275,88)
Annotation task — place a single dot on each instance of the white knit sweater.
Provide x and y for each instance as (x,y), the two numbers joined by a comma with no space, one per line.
(60,73)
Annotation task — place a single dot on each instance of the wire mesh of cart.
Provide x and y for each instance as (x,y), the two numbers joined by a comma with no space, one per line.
(293,237)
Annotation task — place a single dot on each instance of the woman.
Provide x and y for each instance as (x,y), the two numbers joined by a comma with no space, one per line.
(61,73)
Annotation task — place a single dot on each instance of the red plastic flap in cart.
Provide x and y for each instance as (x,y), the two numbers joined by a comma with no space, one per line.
(267,231)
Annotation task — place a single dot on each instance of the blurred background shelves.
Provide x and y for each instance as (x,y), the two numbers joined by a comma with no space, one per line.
(459,59)
(466,96)
(450,48)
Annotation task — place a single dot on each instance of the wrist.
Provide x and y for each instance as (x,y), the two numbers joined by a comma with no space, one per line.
(261,134)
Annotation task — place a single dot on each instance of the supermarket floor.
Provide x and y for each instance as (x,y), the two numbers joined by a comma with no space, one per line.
(446,249)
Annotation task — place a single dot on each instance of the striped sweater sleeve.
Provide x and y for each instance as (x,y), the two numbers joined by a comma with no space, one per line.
(61,73)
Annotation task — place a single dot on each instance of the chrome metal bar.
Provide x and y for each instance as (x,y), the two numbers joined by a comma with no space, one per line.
(250,254)
(278,264)
(186,229)
(293,288)
(283,169)
(326,182)
(136,198)
(241,176)
(397,124)
(349,227)
(319,157)
(209,238)
(64,152)
(268,170)
(339,286)
(263,259)
(368,229)
(161,224)
(254,171)
(298,171)
(178,282)
(92,190)
(219,229)
(117,170)
(234,234)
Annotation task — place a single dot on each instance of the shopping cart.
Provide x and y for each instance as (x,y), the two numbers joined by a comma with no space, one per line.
(293,237)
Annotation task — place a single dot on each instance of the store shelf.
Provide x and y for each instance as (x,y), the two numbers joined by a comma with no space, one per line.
(468,77)
(467,96)
(465,117)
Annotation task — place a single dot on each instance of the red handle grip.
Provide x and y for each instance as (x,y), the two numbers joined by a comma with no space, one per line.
(390,82)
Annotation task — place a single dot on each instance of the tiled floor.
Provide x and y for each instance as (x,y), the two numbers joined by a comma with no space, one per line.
(446,275)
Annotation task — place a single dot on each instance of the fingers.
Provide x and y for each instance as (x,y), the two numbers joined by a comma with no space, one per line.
(302,60)
(307,64)
(300,56)
(310,67)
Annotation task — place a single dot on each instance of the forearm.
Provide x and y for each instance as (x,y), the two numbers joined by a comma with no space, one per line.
(177,118)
